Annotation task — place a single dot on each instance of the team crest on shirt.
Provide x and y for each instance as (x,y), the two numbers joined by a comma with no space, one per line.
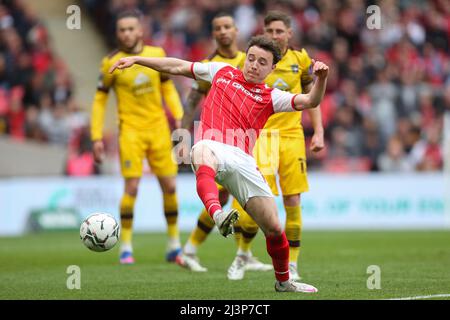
(141,79)
(231,74)
(294,68)
(280,84)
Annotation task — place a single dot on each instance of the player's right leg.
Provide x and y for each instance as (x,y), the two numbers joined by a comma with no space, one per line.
(206,165)
(126,220)
(131,156)
(205,224)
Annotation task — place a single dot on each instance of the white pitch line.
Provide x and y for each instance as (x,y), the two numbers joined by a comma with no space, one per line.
(446,295)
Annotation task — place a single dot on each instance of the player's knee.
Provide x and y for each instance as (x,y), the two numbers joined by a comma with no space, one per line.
(273,230)
(202,155)
(291,200)
(169,188)
(249,227)
(132,192)
(131,189)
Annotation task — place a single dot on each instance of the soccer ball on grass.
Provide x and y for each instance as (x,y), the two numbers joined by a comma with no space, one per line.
(99,232)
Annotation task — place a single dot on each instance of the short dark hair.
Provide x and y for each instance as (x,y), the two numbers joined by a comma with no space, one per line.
(266,44)
(131,13)
(277,16)
(223,14)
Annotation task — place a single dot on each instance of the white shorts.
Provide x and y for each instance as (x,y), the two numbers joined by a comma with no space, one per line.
(237,172)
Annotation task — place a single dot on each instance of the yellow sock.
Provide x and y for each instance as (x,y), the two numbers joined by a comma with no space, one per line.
(204,226)
(171,214)
(247,227)
(126,217)
(238,232)
(249,231)
(293,231)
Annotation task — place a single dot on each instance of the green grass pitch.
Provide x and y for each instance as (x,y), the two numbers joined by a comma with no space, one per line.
(412,263)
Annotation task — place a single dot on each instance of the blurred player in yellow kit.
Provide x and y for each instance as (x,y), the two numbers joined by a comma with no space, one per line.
(281,149)
(144,131)
(224,32)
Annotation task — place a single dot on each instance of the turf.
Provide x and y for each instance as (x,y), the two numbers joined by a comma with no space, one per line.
(412,263)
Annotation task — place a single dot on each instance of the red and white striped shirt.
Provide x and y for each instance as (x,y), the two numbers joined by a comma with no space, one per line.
(235,110)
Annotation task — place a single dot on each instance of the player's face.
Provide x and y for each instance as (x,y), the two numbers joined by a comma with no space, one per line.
(258,64)
(129,32)
(279,32)
(224,31)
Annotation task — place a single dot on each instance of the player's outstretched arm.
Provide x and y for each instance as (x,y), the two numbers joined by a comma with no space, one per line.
(168,65)
(315,96)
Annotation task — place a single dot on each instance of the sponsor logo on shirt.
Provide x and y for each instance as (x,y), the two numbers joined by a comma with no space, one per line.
(281,84)
(239,87)
(142,84)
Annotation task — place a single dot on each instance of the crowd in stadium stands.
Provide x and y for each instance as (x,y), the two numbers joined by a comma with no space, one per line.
(387,91)
(35,86)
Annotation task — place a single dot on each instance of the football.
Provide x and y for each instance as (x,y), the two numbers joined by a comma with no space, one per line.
(99,232)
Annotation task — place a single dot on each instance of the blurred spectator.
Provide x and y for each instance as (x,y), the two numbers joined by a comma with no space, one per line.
(415,146)
(56,126)
(432,159)
(394,158)
(80,161)
(372,145)
(383,95)
(35,86)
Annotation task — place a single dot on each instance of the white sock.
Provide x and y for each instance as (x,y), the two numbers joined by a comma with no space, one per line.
(241,252)
(126,246)
(284,283)
(174,243)
(190,249)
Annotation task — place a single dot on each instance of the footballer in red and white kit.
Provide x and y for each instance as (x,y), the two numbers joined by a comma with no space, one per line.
(234,113)
(236,109)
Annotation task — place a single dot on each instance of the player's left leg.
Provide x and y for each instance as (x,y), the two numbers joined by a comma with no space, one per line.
(293,182)
(263,210)
(247,185)
(170,204)
(293,229)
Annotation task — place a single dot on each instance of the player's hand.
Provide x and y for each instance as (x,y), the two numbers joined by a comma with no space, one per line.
(317,142)
(320,69)
(123,63)
(98,149)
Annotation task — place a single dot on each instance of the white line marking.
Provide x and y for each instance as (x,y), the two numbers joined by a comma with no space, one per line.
(446,295)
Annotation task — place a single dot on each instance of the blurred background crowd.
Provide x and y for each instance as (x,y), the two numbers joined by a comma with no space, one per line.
(387,92)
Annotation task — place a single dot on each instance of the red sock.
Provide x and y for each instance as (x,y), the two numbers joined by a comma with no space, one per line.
(207,189)
(278,249)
